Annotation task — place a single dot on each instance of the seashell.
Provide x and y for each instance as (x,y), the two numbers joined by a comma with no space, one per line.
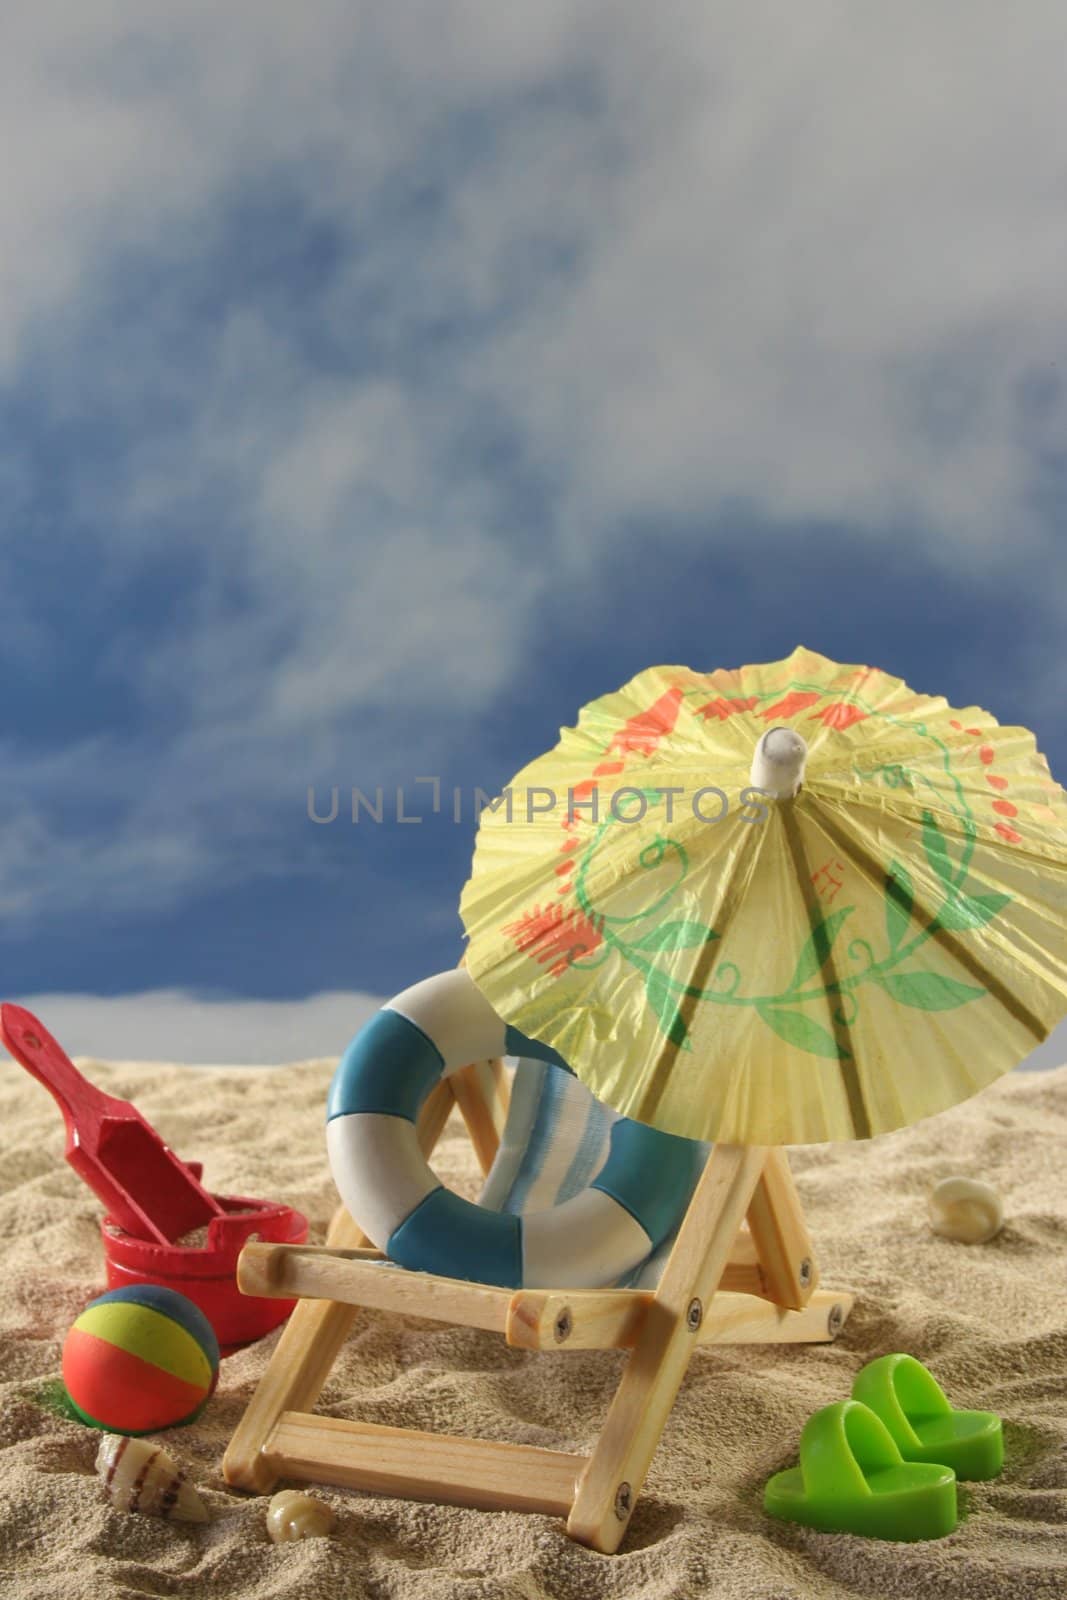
(141,1476)
(963,1208)
(292,1515)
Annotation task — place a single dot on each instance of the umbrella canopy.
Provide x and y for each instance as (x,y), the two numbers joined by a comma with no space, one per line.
(781,904)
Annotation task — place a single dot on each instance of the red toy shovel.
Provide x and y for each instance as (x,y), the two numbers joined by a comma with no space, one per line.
(143,1185)
(154,1200)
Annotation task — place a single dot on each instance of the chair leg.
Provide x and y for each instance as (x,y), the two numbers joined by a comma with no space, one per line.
(481,1093)
(608,1488)
(301,1363)
(309,1342)
(780,1234)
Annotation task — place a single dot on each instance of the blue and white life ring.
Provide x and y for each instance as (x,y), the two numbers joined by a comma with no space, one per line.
(591,1240)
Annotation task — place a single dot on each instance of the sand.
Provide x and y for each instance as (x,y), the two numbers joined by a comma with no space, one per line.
(989,1320)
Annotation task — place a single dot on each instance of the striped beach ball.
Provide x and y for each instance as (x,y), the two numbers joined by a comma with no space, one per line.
(140,1358)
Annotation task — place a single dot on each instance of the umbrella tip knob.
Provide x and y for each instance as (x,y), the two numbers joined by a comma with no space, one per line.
(778,764)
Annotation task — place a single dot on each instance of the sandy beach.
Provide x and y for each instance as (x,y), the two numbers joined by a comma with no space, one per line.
(989,1320)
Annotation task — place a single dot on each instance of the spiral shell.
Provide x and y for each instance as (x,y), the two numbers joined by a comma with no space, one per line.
(141,1476)
(292,1515)
(964,1209)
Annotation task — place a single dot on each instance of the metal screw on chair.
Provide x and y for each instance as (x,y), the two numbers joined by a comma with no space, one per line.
(804,1272)
(624,1501)
(835,1321)
(563,1326)
(694,1315)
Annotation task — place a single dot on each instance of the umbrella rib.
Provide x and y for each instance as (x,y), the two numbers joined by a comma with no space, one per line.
(850,1078)
(659,1077)
(967,959)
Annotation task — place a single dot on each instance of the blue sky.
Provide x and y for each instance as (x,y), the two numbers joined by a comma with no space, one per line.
(377,388)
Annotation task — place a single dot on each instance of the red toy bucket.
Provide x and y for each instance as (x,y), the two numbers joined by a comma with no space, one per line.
(207,1272)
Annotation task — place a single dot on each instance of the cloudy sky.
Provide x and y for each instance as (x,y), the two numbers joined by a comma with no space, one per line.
(380,383)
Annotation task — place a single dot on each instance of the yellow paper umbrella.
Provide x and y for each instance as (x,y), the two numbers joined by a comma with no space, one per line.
(782,904)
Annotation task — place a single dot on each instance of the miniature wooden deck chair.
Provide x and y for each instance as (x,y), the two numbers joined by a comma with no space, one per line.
(715,1281)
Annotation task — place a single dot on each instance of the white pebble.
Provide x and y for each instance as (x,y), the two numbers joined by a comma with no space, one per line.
(965,1209)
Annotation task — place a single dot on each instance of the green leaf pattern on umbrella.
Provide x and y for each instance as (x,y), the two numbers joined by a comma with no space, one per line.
(677,936)
(899,901)
(667,1006)
(816,951)
(936,847)
(928,991)
(970,911)
(799,1030)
